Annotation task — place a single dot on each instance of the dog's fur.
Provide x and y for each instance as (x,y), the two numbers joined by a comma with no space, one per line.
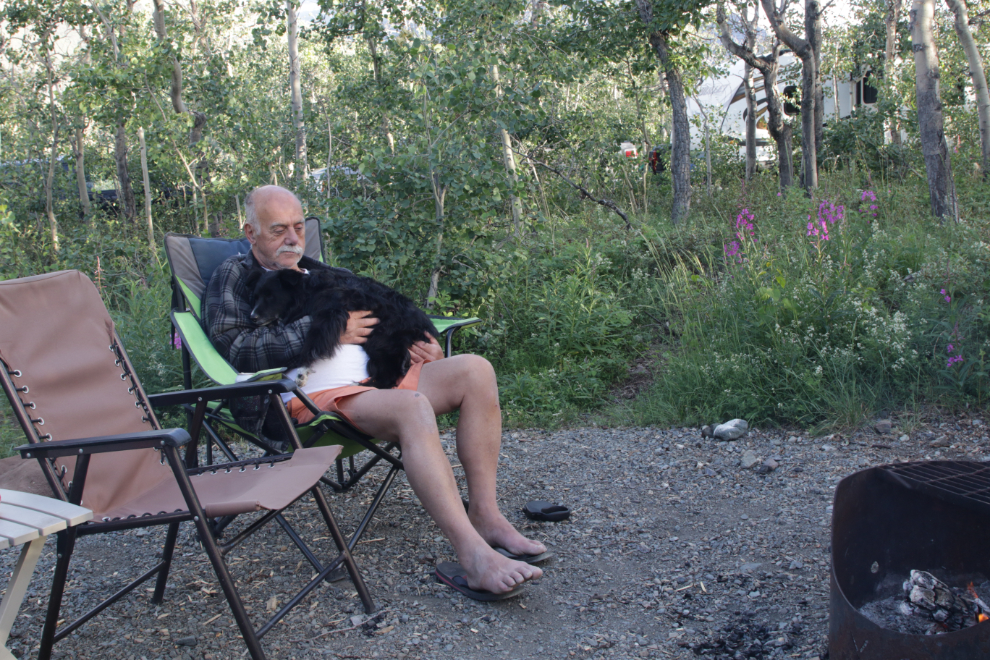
(328,296)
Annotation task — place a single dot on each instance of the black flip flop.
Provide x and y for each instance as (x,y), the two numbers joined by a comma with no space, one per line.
(452,575)
(529,559)
(546,511)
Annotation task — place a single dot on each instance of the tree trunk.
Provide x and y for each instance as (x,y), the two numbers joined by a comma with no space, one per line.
(750,123)
(941,188)
(680,159)
(750,94)
(439,195)
(125,195)
(890,24)
(809,88)
(769,66)
(53,156)
(147,189)
(79,153)
(295,87)
(329,154)
(813,34)
(979,77)
(199,119)
(508,158)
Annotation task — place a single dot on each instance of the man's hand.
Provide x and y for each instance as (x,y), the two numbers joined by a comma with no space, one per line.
(359,326)
(426,351)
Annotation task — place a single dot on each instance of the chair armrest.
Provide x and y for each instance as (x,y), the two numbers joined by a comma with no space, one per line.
(106,443)
(253,388)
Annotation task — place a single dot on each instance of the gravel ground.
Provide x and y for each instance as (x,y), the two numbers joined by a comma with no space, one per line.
(674,550)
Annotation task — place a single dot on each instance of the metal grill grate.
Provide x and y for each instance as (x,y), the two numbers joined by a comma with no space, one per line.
(966,483)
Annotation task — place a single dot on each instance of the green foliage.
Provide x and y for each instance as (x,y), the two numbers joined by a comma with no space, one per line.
(794,328)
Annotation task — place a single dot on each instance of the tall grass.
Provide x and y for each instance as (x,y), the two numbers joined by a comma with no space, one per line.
(822,311)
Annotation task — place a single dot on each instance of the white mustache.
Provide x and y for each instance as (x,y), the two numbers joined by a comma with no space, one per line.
(294,249)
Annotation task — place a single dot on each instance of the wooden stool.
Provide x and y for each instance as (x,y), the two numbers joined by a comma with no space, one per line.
(27,518)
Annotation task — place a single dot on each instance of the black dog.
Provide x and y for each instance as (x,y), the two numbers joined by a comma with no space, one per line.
(327,296)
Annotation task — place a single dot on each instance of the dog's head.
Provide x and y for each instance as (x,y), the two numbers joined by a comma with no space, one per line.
(278,296)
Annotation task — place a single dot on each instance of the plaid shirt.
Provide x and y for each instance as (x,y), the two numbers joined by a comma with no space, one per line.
(227,310)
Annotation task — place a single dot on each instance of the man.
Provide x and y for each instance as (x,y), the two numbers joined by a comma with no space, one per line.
(407,414)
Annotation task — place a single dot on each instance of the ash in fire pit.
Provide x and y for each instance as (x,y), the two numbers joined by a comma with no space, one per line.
(922,604)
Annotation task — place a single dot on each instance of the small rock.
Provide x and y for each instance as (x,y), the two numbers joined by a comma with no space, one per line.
(749,459)
(706,431)
(731,430)
(904,438)
(828,448)
(749,567)
(775,442)
(767,467)
(357,619)
(883,426)
(187,641)
(796,565)
(940,441)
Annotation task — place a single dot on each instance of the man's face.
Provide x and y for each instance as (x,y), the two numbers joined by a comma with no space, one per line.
(281,239)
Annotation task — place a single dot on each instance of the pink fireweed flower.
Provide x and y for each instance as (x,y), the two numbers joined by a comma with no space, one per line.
(176,342)
(949,348)
(948,298)
(868,194)
(952,360)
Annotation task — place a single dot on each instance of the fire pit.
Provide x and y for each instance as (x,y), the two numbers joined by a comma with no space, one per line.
(891,520)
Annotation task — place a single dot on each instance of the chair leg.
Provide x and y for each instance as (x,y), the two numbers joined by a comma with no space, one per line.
(341,543)
(229,590)
(65,543)
(170,537)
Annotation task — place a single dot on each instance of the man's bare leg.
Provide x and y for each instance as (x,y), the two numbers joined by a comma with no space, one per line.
(408,417)
(467,383)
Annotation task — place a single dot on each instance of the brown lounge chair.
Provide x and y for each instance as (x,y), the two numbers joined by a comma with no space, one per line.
(92,428)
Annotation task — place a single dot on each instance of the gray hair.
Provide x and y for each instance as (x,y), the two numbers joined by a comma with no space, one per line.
(251,213)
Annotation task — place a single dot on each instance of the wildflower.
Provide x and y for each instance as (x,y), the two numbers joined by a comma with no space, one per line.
(948,298)
(176,342)
(732,249)
(868,194)
(952,360)
(949,348)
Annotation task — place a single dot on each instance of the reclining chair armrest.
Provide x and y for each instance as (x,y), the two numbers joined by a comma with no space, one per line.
(106,443)
(252,388)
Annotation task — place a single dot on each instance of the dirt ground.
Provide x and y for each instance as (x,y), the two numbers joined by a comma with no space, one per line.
(673,550)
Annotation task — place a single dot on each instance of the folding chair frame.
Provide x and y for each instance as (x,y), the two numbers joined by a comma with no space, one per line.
(169,441)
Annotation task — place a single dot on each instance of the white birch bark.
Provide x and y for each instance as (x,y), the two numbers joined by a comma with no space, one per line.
(938,167)
(146,179)
(295,87)
(979,76)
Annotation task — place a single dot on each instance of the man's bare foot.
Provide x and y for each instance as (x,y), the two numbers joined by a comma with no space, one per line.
(499,532)
(487,570)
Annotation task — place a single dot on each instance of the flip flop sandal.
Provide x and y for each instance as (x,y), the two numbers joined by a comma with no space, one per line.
(529,559)
(453,575)
(546,511)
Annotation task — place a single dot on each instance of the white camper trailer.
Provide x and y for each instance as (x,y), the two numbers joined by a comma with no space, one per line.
(724,99)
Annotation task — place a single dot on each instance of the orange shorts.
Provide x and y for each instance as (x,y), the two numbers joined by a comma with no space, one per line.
(329,400)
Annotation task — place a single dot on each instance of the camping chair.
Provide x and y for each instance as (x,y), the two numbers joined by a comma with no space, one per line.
(64,383)
(193,260)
